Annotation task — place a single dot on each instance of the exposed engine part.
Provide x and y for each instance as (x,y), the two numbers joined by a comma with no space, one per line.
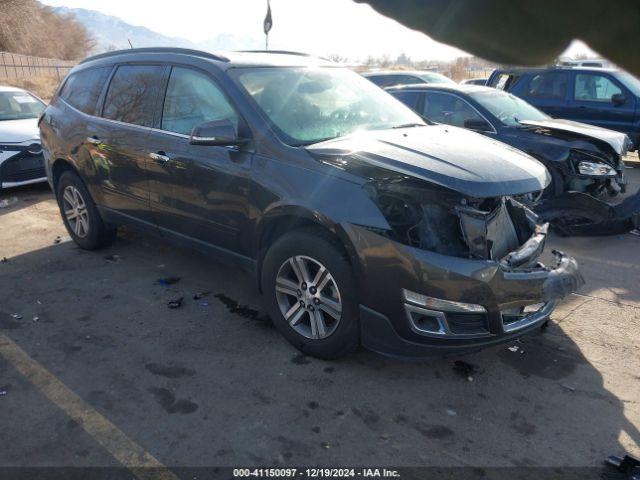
(445,222)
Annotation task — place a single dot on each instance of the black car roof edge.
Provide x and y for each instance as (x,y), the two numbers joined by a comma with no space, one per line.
(188,51)
(278,52)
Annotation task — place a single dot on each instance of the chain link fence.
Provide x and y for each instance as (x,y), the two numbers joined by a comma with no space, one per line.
(15,66)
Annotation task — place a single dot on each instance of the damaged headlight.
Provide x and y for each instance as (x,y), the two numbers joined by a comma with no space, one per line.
(596,168)
(588,164)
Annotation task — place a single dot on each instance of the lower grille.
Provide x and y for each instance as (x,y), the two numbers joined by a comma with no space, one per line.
(22,167)
(467,323)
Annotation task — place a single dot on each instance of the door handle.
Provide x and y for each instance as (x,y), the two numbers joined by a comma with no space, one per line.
(94,140)
(160,158)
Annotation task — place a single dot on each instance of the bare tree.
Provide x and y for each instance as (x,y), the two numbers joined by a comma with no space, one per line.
(31,28)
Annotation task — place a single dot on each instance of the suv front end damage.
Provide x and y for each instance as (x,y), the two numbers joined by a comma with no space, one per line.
(468,271)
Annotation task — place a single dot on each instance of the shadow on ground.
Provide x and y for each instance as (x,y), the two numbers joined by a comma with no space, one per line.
(213,383)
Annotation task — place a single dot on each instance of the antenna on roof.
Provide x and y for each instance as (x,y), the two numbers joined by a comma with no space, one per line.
(129,43)
(266,25)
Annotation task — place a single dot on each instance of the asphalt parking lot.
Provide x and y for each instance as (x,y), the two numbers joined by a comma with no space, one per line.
(213,383)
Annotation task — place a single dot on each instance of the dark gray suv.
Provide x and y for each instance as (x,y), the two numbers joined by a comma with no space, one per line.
(362,223)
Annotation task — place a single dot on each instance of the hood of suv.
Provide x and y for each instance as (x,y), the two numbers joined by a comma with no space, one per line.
(16,131)
(451,157)
(618,141)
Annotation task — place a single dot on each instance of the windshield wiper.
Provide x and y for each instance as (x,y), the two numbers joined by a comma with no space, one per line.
(409,125)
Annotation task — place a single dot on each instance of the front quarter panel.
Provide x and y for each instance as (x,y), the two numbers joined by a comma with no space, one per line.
(310,190)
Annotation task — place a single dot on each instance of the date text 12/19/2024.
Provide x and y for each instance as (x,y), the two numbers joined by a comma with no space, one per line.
(315,473)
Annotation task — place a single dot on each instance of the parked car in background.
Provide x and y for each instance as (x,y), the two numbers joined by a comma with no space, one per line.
(361,223)
(579,157)
(21,160)
(474,81)
(400,77)
(598,96)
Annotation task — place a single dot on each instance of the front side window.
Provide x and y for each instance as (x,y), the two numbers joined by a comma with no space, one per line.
(19,105)
(133,94)
(594,88)
(449,109)
(192,99)
(82,89)
(552,85)
(507,108)
(308,105)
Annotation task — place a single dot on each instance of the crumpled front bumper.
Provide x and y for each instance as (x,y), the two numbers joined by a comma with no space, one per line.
(492,290)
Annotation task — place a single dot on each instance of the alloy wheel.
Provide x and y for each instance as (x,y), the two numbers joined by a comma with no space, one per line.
(75,211)
(308,297)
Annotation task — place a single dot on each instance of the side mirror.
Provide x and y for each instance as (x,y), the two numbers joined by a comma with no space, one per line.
(219,133)
(477,124)
(618,99)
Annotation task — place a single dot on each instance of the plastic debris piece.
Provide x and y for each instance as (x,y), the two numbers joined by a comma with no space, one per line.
(200,295)
(7,202)
(204,304)
(568,387)
(36,319)
(165,282)
(177,303)
(113,258)
(514,349)
(17,316)
(629,466)
(636,232)
(451,413)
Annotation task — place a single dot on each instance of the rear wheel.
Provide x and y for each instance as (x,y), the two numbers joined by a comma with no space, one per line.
(309,289)
(80,215)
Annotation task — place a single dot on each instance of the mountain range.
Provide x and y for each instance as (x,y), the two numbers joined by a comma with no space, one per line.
(112,33)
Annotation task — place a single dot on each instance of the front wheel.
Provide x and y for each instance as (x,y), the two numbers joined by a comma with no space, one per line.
(310,292)
(80,215)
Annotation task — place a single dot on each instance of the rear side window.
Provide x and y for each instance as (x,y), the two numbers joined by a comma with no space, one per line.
(192,99)
(82,89)
(551,85)
(410,99)
(133,94)
(594,88)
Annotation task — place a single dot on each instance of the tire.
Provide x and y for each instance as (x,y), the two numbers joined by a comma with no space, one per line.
(92,233)
(333,337)
(556,187)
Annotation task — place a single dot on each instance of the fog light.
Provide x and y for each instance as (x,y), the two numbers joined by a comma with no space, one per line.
(34,149)
(441,305)
(595,168)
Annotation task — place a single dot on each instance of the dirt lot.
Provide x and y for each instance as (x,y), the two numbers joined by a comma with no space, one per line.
(213,383)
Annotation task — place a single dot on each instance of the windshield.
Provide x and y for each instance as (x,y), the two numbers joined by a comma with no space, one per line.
(435,78)
(19,105)
(309,105)
(631,82)
(509,109)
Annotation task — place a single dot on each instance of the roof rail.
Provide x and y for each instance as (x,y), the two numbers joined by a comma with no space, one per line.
(187,51)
